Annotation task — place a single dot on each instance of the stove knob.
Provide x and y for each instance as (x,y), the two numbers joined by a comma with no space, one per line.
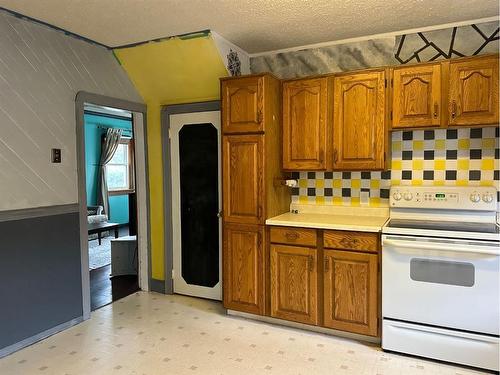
(475,197)
(397,196)
(488,198)
(408,196)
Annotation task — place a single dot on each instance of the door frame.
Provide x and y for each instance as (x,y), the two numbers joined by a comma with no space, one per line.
(166,111)
(139,112)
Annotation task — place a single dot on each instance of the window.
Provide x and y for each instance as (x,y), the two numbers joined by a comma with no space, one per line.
(119,170)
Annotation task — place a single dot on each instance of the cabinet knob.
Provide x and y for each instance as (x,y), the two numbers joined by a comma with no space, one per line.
(291,236)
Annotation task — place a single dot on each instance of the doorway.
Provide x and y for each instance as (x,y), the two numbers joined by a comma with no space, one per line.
(196,204)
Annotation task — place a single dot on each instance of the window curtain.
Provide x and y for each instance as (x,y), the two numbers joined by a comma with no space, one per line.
(108,149)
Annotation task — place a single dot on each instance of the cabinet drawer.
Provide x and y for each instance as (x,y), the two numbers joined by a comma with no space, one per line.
(361,241)
(293,236)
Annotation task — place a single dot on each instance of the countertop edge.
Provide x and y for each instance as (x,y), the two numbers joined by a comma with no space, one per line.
(295,224)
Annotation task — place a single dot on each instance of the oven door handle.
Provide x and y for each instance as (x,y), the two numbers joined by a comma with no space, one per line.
(460,248)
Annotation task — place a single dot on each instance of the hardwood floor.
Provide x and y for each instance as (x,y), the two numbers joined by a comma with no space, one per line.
(104,290)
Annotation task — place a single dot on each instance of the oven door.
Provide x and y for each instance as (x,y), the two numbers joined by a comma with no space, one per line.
(441,282)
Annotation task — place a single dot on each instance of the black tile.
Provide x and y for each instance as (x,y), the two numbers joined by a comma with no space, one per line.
(311,175)
(328,175)
(406,175)
(476,133)
(497,153)
(311,192)
(407,136)
(475,153)
(365,190)
(475,175)
(428,134)
(366,175)
(295,191)
(428,175)
(385,175)
(497,132)
(451,175)
(407,155)
(346,175)
(328,192)
(451,134)
(384,193)
(451,154)
(498,196)
(428,154)
(346,192)
(496,175)
(295,175)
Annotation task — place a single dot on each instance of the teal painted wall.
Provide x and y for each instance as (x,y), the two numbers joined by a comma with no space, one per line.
(118,203)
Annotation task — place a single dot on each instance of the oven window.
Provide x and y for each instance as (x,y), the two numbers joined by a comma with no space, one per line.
(442,272)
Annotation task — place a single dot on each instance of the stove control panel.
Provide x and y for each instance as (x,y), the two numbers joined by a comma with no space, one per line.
(454,198)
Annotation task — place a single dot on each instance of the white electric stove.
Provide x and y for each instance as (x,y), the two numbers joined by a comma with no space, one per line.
(440,275)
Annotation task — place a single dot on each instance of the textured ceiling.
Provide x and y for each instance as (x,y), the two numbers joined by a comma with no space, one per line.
(254,25)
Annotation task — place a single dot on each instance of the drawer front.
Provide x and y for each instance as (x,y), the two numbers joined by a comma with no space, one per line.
(361,241)
(293,236)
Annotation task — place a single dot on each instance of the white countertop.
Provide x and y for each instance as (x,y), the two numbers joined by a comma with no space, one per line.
(361,219)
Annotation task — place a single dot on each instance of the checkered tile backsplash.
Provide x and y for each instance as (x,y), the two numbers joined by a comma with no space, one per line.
(442,157)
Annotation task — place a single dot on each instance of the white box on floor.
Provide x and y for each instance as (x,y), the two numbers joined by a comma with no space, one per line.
(124,256)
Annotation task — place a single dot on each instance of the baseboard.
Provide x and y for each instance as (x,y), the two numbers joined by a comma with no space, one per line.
(307,327)
(157,286)
(42,335)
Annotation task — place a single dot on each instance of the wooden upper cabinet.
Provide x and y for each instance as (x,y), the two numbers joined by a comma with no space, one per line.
(306,133)
(242,178)
(243,105)
(243,275)
(351,292)
(473,91)
(359,131)
(416,96)
(294,285)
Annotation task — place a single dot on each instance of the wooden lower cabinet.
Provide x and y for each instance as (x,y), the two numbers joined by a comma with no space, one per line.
(351,291)
(243,276)
(294,284)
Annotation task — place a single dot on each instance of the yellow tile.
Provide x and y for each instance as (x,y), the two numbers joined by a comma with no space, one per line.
(355,201)
(303,199)
(303,183)
(375,184)
(418,145)
(375,202)
(320,183)
(487,164)
(439,144)
(463,164)
(337,200)
(396,182)
(320,200)
(462,183)
(486,183)
(463,144)
(438,183)
(355,183)
(396,164)
(337,184)
(416,182)
(488,143)
(439,164)
(418,164)
(396,146)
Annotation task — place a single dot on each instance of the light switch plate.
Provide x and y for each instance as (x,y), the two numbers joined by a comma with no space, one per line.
(56,155)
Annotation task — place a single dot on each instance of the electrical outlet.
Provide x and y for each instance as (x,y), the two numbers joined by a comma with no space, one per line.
(56,155)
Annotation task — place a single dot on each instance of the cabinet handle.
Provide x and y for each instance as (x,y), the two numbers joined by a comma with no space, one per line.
(436,110)
(453,109)
(335,155)
(349,242)
(291,236)
(259,212)
(260,116)
(327,264)
(311,263)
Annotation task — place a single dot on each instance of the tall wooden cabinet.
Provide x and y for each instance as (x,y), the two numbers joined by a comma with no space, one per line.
(359,125)
(251,160)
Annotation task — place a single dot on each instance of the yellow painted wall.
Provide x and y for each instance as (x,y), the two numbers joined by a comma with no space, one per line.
(172,71)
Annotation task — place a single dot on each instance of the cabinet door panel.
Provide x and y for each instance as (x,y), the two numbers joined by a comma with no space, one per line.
(350,291)
(294,283)
(305,124)
(473,97)
(243,178)
(416,96)
(243,268)
(359,125)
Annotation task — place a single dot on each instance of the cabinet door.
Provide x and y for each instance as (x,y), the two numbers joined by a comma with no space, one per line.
(416,99)
(294,285)
(359,123)
(242,105)
(350,291)
(305,122)
(243,274)
(473,97)
(242,170)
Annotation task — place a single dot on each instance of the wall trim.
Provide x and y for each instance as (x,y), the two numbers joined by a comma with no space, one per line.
(29,213)
(157,286)
(376,36)
(38,337)
(166,111)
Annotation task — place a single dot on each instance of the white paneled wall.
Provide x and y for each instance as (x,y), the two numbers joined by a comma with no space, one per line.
(41,71)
